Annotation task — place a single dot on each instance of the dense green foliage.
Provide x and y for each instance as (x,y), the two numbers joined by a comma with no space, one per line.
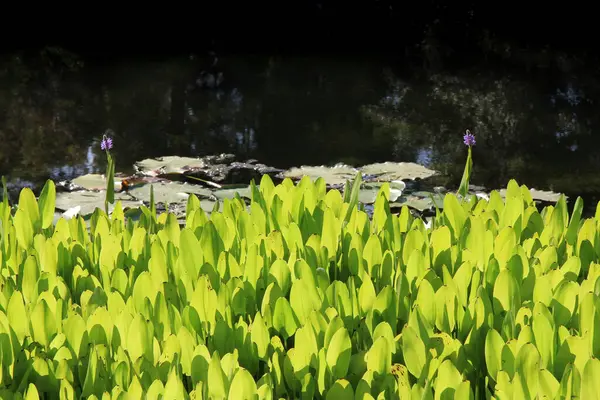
(301,295)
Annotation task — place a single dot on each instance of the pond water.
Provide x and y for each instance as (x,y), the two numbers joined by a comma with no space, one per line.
(534,116)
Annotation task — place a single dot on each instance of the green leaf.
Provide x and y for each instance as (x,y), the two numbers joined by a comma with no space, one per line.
(379,356)
(156,391)
(47,203)
(32,393)
(527,372)
(455,215)
(284,320)
(110,180)
(351,197)
(24,229)
(549,386)
(570,383)
(463,189)
(413,349)
(217,380)
(544,333)
(260,336)
(43,324)
(304,298)
(448,378)
(243,386)
(341,389)
(507,293)
(280,274)
(29,205)
(564,303)
(574,223)
(590,384)
(174,388)
(139,339)
(31,274)
(153,203)
(464,391)
(493,351)
(338,353)
(17,316)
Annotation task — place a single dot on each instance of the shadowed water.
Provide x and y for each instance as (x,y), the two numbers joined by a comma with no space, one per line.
(535,121)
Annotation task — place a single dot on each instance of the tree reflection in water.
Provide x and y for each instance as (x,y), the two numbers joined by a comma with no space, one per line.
(534,126)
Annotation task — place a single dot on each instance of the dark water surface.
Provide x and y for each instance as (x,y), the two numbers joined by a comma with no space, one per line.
(535,117)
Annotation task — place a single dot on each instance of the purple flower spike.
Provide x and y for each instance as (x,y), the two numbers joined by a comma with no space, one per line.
(469,139)
(106,143)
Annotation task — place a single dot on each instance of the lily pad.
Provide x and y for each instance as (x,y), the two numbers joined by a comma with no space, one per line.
(368,191)
(90,200)
(244,172)
(229,193)
(392,171)
(420,201)
(177,209)
(95,182)
(539,195)
(218,168)
(336,175)
(169,192)
(168,165)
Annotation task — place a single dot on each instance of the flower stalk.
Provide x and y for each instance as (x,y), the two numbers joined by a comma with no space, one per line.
(469,141)
(106,144)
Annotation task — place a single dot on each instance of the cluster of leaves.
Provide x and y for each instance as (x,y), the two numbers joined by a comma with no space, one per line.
(301,295)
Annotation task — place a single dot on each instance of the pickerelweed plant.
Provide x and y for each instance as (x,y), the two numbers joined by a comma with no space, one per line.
(106,145)
(469,141)
(463,189)
(301,295)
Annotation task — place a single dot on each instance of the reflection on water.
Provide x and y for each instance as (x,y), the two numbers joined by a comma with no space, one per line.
(537,126)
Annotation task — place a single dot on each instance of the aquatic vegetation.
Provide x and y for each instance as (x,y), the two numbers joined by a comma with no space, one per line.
(469,140)
(174,178)
(106,144)
(293,290)
(300,294)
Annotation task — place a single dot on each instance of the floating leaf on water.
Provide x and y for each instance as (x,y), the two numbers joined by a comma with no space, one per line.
(212,170)
(229,192)
(179,209)
(95,182)
(89,201)
(137,181)
(369,191)
(209,183)
(382,172)
(420,201)
(540,195)
(170,192)
(168,165)
(336,175)
(394,171)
